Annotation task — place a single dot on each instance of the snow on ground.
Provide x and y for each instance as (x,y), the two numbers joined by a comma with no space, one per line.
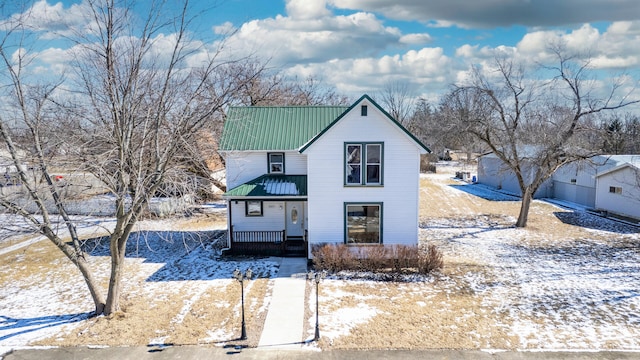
(561,294)
(582,294)
(547,293)
(165,262)
(15,229)
(569,293)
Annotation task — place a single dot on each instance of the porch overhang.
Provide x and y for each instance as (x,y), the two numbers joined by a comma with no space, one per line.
(271,187)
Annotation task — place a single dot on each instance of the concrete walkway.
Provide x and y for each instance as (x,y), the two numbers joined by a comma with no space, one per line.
(284,323)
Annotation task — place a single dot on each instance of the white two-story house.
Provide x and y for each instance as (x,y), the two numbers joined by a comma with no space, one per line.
(304,175)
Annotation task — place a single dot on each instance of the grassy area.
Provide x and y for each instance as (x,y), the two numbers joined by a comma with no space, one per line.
(475,302)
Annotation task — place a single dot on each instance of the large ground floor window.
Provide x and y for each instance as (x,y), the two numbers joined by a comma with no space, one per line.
(363,223)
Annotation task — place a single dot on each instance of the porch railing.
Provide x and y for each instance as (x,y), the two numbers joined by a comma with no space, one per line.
(258,236)
(266,243)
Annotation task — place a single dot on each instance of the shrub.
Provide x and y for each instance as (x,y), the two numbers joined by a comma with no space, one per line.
(332,258)
(430,259)
(377,259)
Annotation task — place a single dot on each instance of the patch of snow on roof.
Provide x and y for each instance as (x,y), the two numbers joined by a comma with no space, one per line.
(280,188)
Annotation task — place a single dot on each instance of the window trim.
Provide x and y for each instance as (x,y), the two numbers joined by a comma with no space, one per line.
(615,190)
(246,208)
(363,164)
(269,162)
(380,224)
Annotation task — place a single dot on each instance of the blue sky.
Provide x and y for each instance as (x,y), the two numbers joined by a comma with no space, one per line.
(361,46)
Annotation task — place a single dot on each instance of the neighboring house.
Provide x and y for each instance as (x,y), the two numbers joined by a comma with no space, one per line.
(618,190)
(576,182)
(304,175)
(605,182)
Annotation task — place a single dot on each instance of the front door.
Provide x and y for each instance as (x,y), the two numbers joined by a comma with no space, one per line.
(295,218)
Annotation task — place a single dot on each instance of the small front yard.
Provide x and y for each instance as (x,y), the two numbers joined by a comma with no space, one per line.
(570,280)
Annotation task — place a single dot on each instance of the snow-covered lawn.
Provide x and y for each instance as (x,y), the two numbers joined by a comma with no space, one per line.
(176,287)
(551,294)
(571,280)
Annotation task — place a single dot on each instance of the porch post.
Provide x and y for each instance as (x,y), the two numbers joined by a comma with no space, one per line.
(230,227)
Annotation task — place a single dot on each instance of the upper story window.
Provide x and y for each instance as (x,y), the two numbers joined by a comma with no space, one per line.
(363,110)
(615,189)
(363,163)
(276,163)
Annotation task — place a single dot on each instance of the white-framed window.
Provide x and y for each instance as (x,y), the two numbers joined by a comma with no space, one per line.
(363,164)
(615,189)
(363,223)
(253,208)
(276,163)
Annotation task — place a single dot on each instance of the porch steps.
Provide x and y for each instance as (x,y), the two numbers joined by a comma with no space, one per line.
(295,247)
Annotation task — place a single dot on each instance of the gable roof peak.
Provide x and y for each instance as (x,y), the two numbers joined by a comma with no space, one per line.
(385,114)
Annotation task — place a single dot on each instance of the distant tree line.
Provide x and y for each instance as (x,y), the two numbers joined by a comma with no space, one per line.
(612,134)
(533,126)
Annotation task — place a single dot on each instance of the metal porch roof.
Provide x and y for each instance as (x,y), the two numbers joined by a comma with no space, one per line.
(271,186)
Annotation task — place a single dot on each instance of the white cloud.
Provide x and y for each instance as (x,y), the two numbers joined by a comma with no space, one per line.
(426,71)
(288,40)
(53,21)
(467,51)
(416,39)
(224,29)
(307,9)
(54,60)
(617,47)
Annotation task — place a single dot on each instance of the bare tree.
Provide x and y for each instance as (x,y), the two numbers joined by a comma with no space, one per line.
(262,86)
(311,91)
(137,102)
(397,99)
(531,125)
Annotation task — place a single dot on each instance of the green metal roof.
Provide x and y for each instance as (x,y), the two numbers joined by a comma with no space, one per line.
(271,186)
(275,127)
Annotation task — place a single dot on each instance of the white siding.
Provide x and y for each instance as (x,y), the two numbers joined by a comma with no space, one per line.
(243,166)
(295,163)
(628,202)
(490,172)
(493,172)
(583,172)
(583,190)
(272,219)
(327,193)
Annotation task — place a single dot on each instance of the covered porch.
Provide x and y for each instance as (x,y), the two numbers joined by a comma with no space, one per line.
(267,216)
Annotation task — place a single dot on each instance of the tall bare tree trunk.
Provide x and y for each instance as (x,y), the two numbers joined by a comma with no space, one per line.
(118,243)
(527,196)
(96,295)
